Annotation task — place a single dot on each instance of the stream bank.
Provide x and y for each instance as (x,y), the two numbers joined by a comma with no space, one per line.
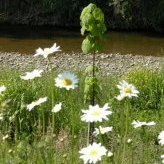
(110,64)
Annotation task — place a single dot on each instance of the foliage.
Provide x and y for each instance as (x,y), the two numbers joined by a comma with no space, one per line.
(149,81)
(92,24)
(119,14)
(90,83)
(35,147)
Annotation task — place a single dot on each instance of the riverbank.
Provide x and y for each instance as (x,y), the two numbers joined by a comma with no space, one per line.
(110,64)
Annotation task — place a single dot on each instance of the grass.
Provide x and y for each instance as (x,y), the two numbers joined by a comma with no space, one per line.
(30,133)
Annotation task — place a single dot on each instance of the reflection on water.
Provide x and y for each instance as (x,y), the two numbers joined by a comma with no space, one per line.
(27,39)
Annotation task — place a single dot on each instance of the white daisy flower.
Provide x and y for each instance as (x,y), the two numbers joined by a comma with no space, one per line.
(93,153)
(57,108)
(138,124)
(109,154)
(162,156)
(1,116)
(36,103)
(126,90)
(120,97)
(2,89)
(102,130)
(47,51)
(10,150)
(66,80)
(95,113)
(5,137)
(129,141)
(31,75)
(161,138)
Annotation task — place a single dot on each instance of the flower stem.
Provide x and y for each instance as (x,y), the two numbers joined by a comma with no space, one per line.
(145,135)
(92,102)
(43,117)
(126,131)
(52,95)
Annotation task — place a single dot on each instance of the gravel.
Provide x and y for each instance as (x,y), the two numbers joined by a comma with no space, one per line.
(110,64)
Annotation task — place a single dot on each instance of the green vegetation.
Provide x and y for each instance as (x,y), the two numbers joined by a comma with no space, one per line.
(29,133)
(119,14)
(93,26)
(41,113)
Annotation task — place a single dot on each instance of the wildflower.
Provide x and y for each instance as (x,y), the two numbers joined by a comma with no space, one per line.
(109,154)
(2,89)
(47,51)
(161,138)
(11,118)
(138,124)
(36,103)
(57,108)
(64,155)
(1,116)
(66,80)
(129,141)
(120,97)
(31,75)
(95,113)
(10,151)
(162,157)
(5,137)
(102,130)
(126,90)
(92,153)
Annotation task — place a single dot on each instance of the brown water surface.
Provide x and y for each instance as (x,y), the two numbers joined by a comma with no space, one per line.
(27,39)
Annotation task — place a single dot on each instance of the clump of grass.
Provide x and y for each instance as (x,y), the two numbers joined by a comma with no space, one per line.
(151,86)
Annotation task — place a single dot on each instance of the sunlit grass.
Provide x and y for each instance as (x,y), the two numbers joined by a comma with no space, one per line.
(30,133)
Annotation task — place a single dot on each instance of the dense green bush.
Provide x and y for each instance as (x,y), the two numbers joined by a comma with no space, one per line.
(120,14)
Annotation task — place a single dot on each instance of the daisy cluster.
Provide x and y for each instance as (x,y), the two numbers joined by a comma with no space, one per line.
(66,80)
(95,151)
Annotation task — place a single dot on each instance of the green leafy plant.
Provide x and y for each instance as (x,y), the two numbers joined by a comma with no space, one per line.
(93,27)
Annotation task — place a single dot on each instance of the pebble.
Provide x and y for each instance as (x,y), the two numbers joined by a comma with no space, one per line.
(110,64)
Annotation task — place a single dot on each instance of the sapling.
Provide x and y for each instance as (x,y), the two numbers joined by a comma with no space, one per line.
(93,27)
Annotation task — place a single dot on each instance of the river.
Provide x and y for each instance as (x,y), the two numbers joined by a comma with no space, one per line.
(26,39)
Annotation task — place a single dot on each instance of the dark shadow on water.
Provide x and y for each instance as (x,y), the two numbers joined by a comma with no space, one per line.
(36,32)
(25,39)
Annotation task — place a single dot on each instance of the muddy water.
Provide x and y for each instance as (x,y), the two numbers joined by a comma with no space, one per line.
(27,39)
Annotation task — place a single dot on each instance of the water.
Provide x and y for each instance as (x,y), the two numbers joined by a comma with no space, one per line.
(27,39)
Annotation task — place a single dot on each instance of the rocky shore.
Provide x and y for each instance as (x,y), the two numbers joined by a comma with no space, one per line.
(110,64)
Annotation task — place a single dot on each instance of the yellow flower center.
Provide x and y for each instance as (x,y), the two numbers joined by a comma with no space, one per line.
(96,113)
(127,90)
(93,153)
(67,82)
